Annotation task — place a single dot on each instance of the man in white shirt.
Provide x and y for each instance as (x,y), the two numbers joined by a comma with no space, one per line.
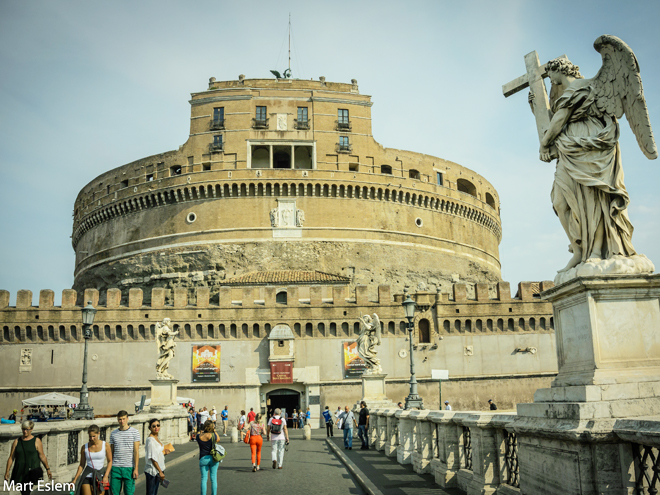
(204,414)
(447,406)
(279,436)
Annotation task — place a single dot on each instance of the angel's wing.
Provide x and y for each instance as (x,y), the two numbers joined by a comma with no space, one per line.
(619,91)
(376,323)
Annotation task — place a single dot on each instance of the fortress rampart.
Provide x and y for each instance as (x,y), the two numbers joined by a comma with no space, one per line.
(374,214)
(250,312)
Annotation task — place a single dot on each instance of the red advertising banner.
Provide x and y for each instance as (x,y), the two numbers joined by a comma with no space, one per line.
(281,372)
(206,363)
(354,365)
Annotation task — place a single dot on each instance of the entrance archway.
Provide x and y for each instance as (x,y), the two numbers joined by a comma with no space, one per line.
(285,399)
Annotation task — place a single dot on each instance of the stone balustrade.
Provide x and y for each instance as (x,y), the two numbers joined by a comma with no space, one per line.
(477,452)
(62,440)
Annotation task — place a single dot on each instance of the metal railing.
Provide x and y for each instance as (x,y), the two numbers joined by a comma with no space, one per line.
(301,124)
(646,460)
(344,148)
(344,126)
(467,448)
(217,124)
(216,147)
(511,457)
(72,447)
(260,123)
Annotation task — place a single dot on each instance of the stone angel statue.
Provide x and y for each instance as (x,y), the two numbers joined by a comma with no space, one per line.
(367,343)
(588,194)
(166,346)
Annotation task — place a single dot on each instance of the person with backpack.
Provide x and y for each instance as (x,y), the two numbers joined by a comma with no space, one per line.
(279,436)
(207,464)
(327,416)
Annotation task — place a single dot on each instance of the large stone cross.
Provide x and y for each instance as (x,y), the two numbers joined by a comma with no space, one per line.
(534,80)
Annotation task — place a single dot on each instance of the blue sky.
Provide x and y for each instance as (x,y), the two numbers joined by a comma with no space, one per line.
(89,86)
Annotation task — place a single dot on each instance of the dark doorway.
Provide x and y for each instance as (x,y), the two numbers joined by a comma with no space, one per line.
(285,399)
(424,331)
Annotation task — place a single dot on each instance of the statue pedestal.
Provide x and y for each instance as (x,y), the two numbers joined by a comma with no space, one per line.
(163,394)
(373,392)
(608,350)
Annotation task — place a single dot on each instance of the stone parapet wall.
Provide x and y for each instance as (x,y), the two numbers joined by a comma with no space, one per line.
(62,440)
(477,452)
(245,313)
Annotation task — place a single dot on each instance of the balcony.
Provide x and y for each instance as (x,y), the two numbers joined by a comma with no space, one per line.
(217,124)
(344,126)
(215,147)
(343,148)
(260,123)
(301,125)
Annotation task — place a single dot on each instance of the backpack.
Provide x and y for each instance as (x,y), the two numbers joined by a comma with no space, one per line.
(276,425)
(217,451)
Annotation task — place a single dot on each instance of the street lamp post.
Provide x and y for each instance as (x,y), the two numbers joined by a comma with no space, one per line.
(413,401)
(84,410)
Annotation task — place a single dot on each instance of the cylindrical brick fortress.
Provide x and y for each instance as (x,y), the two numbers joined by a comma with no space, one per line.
(285,175)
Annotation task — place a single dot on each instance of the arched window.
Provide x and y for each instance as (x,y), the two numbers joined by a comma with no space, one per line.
(386,169)
(490,201)
(466,186)
(424,331)
(281,297)
(414,174)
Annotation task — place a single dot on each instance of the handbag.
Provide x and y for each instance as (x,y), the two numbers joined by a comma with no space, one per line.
(246,439)
(217,451)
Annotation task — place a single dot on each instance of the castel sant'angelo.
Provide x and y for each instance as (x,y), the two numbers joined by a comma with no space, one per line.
(265,236)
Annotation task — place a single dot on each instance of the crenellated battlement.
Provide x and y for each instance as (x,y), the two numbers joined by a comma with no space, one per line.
(250,312)
(259,295)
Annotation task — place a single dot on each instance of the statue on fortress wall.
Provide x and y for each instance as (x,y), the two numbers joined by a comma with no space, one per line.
(274,217)
(166,346)
(367,342)
(588,194)
(300,218)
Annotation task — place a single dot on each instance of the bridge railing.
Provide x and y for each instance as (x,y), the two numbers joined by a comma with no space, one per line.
(473,451)
(477,452)
(62,440)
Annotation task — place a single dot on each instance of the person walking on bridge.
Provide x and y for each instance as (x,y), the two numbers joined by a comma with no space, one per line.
(207,465)
(279,435)
(346,423)
(257,429)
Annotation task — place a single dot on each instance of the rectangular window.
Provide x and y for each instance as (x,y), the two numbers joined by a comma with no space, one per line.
(343,116)
(124,183)
(302,114)
(219,114)
(150,177)
(343,141)
(439,178)
(217,140)
(175,170)
(261,114)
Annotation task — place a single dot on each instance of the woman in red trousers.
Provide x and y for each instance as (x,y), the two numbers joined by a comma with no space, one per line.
(257,429)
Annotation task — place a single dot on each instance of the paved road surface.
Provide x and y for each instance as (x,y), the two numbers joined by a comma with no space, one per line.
(390,477)
(310,468)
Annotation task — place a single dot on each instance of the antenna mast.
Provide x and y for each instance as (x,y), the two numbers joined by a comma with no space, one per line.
(289,44)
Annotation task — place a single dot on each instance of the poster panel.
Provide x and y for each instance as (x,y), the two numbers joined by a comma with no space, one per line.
(354,365)
(206,363)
